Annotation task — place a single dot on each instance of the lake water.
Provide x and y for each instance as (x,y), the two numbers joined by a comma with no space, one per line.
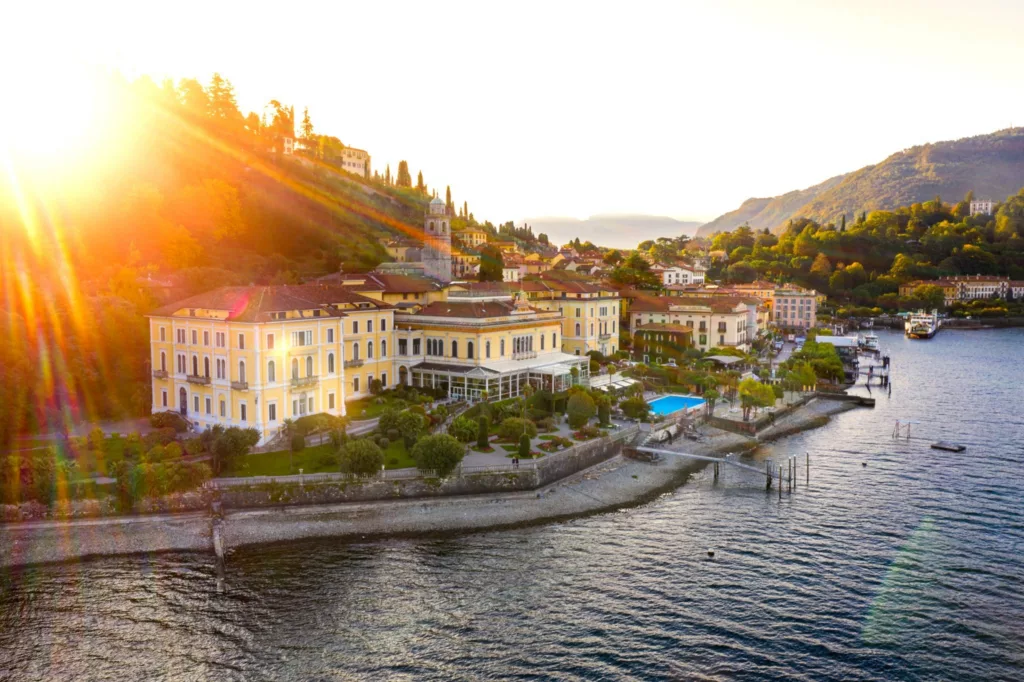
(911,568)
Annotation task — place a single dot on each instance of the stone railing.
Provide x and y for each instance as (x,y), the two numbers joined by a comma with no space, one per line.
(240,385)
(301,382)
(159,373)
(196,379)
(354,363)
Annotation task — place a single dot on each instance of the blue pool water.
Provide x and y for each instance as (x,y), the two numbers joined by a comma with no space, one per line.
(673,403)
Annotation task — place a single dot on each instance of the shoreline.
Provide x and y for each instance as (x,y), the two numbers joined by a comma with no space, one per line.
(617,483)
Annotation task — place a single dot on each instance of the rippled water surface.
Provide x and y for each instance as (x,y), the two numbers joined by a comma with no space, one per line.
(911,567)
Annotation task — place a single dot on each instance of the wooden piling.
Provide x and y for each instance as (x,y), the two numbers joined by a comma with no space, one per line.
(808,468)
(768,474)
(780,482)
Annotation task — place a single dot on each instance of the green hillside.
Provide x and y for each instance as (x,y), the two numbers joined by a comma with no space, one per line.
(992,166)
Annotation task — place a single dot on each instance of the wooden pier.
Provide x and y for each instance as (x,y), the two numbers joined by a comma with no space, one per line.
(783,474)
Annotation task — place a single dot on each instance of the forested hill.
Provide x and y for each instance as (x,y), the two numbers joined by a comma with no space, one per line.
(762,213)
(992,166)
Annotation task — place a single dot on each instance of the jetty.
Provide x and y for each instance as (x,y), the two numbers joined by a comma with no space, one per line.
(783,472)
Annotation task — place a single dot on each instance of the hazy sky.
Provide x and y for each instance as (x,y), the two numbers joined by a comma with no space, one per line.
(682,109)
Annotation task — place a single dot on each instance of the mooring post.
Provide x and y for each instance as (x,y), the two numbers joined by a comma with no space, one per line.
(768,474)
(780,482)
(808,467)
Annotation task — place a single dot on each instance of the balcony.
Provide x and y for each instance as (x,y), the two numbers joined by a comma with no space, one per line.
(196,379)
(240,385)
(354,363)
(525,355)
(159,373)
(605,337)
(302,382)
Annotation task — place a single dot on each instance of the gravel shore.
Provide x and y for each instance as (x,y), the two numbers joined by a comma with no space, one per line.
(614,484)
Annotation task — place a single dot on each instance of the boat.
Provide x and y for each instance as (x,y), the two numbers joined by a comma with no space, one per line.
(922,325)
(870,343)
(948,447)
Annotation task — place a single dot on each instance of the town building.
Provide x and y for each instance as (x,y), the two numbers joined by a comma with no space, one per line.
(961,288)
(472,237)
(254,356)
(484,340)
(716,322)
(397,289)
(355,161)
(465,263)
(660,343)
(404,250)
(437,242)
(795,309)
(680,274)
(983,207)
(589,309)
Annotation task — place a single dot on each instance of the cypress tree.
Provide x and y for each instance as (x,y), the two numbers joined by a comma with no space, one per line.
(483,425)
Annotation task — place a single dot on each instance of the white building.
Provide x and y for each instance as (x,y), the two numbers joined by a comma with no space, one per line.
(437,242)
(355,161)
(681,274)
(795,309)
(983,207)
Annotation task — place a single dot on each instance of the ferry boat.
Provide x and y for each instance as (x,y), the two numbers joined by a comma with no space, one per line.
(922,325)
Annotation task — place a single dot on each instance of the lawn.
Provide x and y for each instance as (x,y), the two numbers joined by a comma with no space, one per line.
(368,408)
(312,460)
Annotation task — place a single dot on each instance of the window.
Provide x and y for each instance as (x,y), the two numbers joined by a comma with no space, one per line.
(223,408)
(455,349)
(501,349)
(270,342)
(577,329)
(272,412)
(577,315)
(470,350)
(206,367)
(487,350)
(302,338)
(369,326)
(195,401)
(310,403)
(309,366)
(415,346)
(721,339)
(241,371)
(195,369)
(403,347)
(219,338)
(241,412)
(330,401)
(295,368)
(163,361)
(369,350)
(383,325)
(591,328)
(554,340)
(163,333)
(383,348)
(542,342)
(241,342)
(163,398)
(195,339)
(330,363)
(355,351)
(181,336)
(222,368)
(181,364)
(384,379)
(355,326)
(271,372)
(206,338)
(209,406)
(355,384)
(330,336)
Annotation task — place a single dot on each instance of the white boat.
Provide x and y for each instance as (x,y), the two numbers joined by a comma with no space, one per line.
(870,342)
(922,325)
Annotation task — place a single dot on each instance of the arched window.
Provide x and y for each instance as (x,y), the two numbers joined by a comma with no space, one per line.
(455,349)
(163,360)
(501,348)
(542,342)
(295,368)
(554,340)
(591,328)
(195,366)
(487,349)
(577,329)
(206,367)
(469,350)
(383,347)
(369,350)
(309,366)
(330,363)
(355,351)
(241,370)
(271,372)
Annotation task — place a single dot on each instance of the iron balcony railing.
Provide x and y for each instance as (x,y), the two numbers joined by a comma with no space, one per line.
(196,379)
(299,382)
(240,385)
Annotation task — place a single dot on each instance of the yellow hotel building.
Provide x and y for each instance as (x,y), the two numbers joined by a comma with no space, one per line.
(589,309)
(255,356)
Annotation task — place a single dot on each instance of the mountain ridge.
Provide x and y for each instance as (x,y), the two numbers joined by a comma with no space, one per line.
(618,230)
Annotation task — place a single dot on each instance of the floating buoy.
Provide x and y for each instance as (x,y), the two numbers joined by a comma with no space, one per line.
(863,464)
(711,554)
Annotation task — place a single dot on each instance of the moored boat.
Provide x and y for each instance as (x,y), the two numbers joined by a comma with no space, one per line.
(922,325)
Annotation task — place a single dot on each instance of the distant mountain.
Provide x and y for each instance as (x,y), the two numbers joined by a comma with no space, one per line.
(991,165)
(619,231)
(767,212)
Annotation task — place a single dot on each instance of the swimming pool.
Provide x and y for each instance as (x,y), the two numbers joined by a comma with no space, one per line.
(673,403)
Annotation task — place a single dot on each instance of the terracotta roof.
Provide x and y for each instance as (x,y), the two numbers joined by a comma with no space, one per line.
(664,327)
(655,304)
(256,303)
(386,282)
(468,308)
(560,280)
